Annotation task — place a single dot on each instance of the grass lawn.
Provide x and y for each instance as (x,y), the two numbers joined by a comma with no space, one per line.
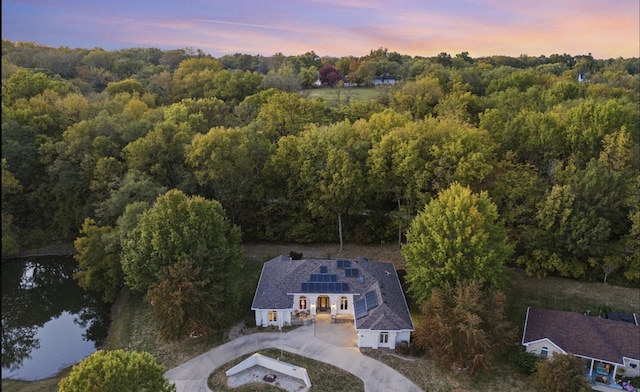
(335,96)
(131,329)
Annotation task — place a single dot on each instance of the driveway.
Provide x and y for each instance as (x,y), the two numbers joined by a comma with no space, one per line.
(312,341)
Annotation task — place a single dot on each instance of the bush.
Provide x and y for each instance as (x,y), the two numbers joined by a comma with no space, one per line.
(402,348)
(559,374)
(117,370)
(302,233)
(295,255)
(250,320)
(525,361)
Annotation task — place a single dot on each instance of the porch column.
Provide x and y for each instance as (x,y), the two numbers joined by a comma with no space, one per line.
(591,368)
(313,305)
(392,340)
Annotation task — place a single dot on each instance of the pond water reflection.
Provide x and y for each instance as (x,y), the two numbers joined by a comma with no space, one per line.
(48,321)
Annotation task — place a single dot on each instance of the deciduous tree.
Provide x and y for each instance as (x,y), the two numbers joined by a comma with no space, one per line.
(458,236)
(117,370)
(464,326)
(176,237)
(98,257)
(561,373)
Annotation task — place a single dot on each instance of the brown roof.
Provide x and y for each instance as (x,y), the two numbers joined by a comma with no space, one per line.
(582,335)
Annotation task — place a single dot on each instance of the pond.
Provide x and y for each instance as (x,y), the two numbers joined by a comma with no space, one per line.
(48,321)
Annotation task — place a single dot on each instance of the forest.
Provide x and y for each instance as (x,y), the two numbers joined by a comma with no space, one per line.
(91,137)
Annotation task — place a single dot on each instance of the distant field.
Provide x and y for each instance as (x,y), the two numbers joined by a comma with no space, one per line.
(336,96)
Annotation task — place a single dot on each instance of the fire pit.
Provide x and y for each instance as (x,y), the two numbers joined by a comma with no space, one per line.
(269,377)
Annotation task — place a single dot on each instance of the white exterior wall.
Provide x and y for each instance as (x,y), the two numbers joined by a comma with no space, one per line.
(283,317)
(630,371)
(369,338)
(403,335)
(334,301)
(536,348)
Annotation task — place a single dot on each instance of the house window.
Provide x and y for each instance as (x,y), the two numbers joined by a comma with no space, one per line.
(273,316)
(633,365)
(384,337)
(303,303)
(544,352)
(343,303)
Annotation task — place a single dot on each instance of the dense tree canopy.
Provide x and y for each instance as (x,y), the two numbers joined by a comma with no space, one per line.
(88,132)
(117,370)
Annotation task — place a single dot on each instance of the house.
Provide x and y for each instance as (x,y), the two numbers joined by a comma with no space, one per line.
(365,293)
(608,347)
(384,80)
(582,77)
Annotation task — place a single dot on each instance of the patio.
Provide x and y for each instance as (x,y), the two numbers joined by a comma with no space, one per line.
(300,318)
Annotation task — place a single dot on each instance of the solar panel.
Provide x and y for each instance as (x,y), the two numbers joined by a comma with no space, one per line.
(372,299)
(324,283)
(344,263)
(351,272)
(323,269)
(360,308)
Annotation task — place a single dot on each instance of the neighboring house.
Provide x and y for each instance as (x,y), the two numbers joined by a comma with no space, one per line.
(364,292)
(608,347)
(582,77)
(384,81)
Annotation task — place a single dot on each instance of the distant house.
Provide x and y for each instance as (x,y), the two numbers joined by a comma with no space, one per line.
(582,77)
(384,80)
(608,347)
(365,293)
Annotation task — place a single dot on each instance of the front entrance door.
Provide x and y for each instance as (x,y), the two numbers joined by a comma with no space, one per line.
(323,303)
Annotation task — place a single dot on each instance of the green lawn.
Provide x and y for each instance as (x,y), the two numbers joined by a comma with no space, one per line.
(336,96)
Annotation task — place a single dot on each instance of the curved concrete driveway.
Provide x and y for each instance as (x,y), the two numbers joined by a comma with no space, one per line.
(192,375)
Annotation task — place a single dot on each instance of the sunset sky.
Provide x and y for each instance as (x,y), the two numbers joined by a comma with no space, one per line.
(604,28)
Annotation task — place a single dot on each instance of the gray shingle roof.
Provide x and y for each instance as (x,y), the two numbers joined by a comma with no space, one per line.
(282,277)
(583,335)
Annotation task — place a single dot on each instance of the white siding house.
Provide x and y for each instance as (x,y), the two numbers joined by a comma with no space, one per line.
(363,292)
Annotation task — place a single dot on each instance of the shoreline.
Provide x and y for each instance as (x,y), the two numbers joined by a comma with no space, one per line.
(63,248)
